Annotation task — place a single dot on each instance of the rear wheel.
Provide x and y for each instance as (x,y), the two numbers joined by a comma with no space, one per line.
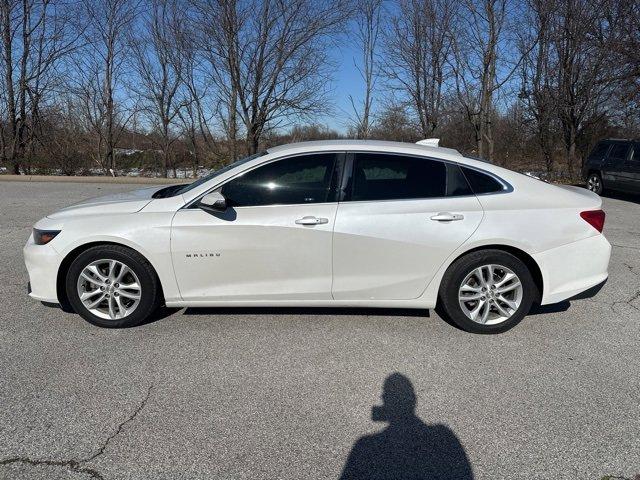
(488,291)
(594,183)
(112,286)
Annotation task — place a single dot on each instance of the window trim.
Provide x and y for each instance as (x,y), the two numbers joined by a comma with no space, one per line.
(338,164)
(345,161)
(350,164)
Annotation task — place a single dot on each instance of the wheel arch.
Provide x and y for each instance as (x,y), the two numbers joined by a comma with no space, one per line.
(592,170)
(528,260)
(61,291)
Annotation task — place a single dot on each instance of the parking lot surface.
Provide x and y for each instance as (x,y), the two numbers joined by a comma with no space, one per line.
(272,393)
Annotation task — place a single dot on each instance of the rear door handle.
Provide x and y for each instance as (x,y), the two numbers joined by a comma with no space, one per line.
(447,217)
(311,221)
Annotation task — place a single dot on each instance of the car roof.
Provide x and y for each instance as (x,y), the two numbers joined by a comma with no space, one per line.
(363,144)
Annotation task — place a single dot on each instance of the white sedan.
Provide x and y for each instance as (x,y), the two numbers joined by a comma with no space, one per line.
(332,223)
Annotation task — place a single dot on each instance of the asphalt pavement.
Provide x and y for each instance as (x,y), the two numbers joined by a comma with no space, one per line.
(288,393)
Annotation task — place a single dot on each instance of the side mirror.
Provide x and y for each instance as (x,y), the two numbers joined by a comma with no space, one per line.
(214,202)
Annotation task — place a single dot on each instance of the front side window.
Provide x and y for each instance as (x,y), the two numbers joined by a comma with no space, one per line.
(379,176)
(599,151)
(294,180)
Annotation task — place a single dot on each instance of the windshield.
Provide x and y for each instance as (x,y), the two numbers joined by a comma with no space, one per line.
(179,189)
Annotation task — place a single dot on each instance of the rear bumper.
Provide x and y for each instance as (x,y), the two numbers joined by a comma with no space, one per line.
(42,263)
(590,292)
(573,269)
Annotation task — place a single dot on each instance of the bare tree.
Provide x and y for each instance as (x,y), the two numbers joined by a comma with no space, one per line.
(100,69)
(538,70)
(417,49)
(367,33)
(158,62)
(586,78)
(626,42)
(34,41)
(484,62)
(61,137)
(269,59)
(216,27)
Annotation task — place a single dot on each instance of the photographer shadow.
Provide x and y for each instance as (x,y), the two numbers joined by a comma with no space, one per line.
(408,448)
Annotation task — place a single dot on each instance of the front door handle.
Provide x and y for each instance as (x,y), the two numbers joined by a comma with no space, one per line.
(447,217)
(311,221)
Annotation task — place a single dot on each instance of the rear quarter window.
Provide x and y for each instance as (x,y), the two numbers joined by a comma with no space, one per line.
(481,182)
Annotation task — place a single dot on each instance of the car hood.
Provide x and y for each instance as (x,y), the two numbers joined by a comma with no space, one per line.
(127,202)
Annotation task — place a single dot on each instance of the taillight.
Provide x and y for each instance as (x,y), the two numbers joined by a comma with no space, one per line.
(595,218)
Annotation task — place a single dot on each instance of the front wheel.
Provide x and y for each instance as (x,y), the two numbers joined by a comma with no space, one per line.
(112,286)
(487,291)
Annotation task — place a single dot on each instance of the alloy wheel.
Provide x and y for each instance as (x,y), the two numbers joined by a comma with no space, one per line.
(593,183)
(109,289)
(490,294)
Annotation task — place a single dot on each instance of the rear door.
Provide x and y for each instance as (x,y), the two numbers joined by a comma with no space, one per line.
(613,170)
(631,173)
(400,218)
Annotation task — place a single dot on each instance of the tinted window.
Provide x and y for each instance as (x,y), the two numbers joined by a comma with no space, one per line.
(481,182)
(618,151)
(599,151)
(378,176)
(303,179)
(636,152)
(457,184)
(212,174)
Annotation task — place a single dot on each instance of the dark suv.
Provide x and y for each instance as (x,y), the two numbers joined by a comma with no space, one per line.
(613,164)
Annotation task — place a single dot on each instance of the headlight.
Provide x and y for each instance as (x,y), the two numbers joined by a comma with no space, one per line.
(42,237)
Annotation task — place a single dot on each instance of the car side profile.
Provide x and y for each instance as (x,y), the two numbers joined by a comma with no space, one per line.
(330,223)
(613,164)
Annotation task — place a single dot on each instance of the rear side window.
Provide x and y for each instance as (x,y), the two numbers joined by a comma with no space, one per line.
(618,151)
(481,182)
(599,151)
(379,176)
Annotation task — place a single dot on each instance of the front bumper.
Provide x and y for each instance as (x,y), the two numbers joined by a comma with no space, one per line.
(42,262)
(572,269)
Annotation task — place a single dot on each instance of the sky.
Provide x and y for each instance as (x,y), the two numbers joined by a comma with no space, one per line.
(347,81)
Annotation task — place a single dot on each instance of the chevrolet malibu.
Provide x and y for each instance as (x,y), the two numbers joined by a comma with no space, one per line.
(332,223)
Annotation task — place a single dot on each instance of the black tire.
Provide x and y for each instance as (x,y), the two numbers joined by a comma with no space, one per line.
(150,297)
(449,307)
(594,183)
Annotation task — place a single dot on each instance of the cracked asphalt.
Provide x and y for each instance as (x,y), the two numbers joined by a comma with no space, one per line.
(264,393)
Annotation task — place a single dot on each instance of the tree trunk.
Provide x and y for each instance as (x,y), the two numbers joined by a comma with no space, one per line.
(253,140)
(8,77)
(232,134)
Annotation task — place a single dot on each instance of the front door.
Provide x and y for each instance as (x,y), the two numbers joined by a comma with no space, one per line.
(273,242)
(401,218)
